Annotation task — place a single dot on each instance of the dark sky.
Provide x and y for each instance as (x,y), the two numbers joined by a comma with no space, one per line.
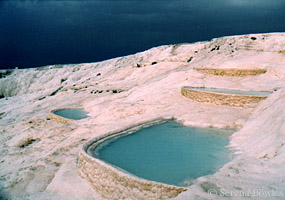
(37,33)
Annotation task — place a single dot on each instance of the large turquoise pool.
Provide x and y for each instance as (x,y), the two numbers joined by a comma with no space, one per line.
(169,153)
(75,114)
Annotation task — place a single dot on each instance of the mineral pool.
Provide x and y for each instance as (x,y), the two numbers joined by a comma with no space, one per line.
(169,153)
(231,91)
(75,114)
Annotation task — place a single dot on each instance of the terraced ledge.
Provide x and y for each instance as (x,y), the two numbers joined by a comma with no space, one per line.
(113,183)
(232,71)
(237,100)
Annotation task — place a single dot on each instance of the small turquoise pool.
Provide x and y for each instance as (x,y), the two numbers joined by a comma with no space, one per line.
(75,114)
(169,153)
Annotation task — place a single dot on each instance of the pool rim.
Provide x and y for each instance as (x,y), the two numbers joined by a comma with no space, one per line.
(228,94)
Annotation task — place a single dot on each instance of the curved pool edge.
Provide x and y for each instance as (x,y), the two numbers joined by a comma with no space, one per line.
(113,183)
(236,100)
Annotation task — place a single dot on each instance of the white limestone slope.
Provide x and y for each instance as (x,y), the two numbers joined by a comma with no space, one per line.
(124,91)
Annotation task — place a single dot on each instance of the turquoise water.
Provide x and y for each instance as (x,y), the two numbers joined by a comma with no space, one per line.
(169,153)
(230,91)
(75,114)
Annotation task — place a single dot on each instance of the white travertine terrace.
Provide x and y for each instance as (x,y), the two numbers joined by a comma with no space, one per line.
(39,157)
(219,98)
(231,71)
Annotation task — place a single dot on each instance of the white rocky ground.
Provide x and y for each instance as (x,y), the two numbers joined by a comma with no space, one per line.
(124,91)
